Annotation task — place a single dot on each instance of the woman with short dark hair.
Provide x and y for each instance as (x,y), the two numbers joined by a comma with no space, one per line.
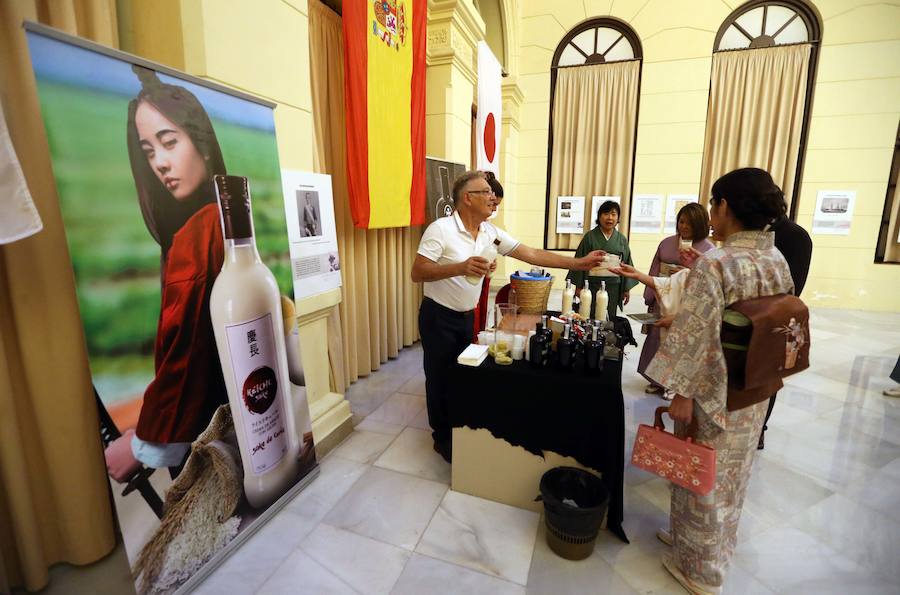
(605,237)
(692,224)
(690,362)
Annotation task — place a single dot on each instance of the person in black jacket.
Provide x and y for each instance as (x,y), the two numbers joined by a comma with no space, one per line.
(795,245)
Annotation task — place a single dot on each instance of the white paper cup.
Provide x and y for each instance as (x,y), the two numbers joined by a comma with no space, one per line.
(518,347)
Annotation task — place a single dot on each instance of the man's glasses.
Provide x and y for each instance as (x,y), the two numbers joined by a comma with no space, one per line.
(484,192)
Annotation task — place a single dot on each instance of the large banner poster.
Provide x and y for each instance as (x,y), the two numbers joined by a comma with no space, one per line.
(134,148)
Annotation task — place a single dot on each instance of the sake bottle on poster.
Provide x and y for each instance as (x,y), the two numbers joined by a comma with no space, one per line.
(245,306)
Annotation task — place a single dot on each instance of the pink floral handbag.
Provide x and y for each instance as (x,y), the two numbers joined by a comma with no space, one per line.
(680,460)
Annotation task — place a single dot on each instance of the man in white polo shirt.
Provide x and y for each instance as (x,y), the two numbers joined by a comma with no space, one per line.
(450,251)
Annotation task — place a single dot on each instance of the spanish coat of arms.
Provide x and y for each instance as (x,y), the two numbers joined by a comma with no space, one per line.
(390,22)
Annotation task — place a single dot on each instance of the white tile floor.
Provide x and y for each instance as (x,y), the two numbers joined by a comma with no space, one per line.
(822,512)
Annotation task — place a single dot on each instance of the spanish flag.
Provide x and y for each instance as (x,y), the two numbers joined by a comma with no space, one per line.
(384,99)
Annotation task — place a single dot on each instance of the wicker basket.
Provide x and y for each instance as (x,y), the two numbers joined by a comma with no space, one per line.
(532,294)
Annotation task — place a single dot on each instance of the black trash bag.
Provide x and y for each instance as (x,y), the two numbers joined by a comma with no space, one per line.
(588,493)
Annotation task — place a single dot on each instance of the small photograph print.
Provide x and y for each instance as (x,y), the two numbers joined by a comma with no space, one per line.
(646,208)
(334,262)
(309,213)
(565,214)
(565,205)
(835,205)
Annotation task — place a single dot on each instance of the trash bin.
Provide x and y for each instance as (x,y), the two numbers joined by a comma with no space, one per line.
(575,504)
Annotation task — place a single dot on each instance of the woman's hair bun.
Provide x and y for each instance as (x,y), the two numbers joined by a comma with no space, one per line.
(752,195)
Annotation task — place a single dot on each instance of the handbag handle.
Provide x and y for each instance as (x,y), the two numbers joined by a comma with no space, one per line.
(690,430)
(657,417)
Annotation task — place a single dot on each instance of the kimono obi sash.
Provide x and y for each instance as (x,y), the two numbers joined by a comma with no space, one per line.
(764,340)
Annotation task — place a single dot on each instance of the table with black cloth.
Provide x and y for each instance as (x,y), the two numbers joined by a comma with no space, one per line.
(549,409)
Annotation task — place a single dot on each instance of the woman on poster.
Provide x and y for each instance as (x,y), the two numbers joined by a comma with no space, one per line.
(174,153)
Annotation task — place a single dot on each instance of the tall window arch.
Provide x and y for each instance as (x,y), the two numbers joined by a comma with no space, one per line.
(594,88)
(761,88)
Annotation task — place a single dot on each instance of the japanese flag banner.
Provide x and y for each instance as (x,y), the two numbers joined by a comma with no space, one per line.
(490,103)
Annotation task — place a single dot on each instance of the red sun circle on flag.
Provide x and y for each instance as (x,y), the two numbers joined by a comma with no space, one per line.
(490,137)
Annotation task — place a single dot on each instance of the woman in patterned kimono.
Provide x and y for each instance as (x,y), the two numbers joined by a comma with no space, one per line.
(690,362)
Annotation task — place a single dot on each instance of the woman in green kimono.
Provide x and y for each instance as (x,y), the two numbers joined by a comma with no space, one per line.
(605,237)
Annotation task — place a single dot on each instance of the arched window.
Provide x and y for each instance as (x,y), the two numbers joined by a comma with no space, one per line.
(594,88)
(761,52)
(597,41)
(888,248)
(766,24)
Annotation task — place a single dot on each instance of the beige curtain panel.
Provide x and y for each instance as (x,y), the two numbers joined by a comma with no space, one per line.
(594,125)
(54,496)
(756,103)
(378,314)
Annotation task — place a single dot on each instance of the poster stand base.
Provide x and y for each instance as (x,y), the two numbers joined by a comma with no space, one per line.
(213,563)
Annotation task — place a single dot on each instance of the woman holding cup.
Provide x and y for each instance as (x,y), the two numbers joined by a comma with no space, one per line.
(673,254)
(605,237)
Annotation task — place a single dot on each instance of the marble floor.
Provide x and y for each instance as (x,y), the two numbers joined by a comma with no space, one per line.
(822,513)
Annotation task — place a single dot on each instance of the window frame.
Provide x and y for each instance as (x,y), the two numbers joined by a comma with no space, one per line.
(893,175)
(813,22)
(629,35)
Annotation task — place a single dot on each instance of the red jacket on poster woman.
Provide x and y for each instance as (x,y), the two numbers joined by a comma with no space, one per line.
(188,385)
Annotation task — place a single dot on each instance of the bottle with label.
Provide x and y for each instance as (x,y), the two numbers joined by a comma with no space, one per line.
(602,302)
(568,297)
(538,347)
(548,332)
(584,308)
(489,253)
(565,348)
(593,351)
(245,306)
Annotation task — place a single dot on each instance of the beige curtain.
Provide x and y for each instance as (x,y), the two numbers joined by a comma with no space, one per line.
(756,103)
(378,314)
(594,124)
(892,243)
(54,495)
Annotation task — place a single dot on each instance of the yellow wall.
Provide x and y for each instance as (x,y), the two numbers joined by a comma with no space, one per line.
(259,47)
(854,119)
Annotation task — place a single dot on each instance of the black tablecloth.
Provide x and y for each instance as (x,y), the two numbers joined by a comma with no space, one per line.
(564,411)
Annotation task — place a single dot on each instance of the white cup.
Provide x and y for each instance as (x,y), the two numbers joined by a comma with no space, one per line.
(486,338)
(518,347)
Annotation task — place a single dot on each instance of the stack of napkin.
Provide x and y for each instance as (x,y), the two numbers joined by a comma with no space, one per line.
(473,355)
